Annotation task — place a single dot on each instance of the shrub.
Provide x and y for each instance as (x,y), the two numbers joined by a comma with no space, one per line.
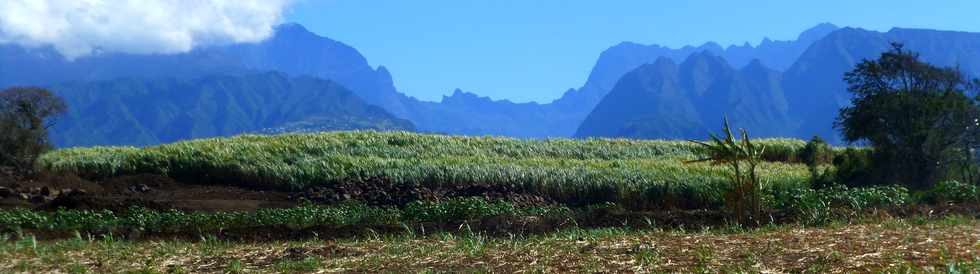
(954,192)
(470,208)
(854,168)
(816,152)
(818,206)
(296,218)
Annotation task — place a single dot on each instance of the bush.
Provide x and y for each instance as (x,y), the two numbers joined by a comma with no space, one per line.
(296,218)
(470,208)
(819,206)
(854,168)
(142,219)
(953,192)
(816,152)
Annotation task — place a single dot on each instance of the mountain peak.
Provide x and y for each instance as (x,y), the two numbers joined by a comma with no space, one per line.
(460,92)
(291,27)
(292,30)
(817,32)
(712,46)
(705,57)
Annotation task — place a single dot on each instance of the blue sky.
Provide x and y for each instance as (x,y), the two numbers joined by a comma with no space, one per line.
(534,50)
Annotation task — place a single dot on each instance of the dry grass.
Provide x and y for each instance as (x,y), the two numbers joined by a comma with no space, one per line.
(890,246)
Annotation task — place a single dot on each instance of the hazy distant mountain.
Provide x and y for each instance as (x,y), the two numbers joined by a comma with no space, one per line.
(814,84)
(618,60)
(139,111)
(801,102)
(292,50)
(296,51)
(562,117)
(664,100)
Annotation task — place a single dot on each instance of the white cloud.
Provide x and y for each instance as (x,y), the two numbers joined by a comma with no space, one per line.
(81,27)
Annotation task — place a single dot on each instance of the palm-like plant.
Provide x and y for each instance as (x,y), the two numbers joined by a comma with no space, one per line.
(743,157)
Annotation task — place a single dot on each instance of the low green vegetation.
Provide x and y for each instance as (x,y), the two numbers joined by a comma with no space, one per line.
(803,205)
(296,218)
(637,174)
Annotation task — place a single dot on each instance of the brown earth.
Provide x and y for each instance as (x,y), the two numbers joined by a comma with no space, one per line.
(52,191)
(380,192)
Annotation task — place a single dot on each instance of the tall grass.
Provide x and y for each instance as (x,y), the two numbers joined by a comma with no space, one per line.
(638,173)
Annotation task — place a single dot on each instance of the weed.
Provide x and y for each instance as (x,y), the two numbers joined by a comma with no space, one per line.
(307,264)
(234,266)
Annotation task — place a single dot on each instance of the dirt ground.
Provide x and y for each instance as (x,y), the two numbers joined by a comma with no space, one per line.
(49,191)
(949,245)
(152,191)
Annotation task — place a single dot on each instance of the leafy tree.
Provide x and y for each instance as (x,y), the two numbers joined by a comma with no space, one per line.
(26,114)
(743,157)
(914,115)
(969,165)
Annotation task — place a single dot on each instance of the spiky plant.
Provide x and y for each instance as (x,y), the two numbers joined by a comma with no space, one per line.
(743,157)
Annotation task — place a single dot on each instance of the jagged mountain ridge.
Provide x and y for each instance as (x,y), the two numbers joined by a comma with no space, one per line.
(807,83)
(813,89)
(296,51)
(665,100)
(140,111)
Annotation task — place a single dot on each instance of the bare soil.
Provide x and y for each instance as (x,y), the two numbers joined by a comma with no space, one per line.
(53,191)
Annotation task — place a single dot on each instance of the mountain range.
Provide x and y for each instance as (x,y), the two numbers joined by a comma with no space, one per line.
(663,100)
(131,111)
(669,100)
(777,88)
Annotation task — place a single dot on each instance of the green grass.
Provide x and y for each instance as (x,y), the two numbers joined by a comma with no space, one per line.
(296,218)
(633,173)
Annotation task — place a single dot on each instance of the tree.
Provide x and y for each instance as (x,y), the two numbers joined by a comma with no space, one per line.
(26,114)
(915,116)
(743,157)
(970,162)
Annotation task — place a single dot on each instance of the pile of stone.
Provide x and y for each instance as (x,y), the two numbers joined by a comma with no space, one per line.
(36,195)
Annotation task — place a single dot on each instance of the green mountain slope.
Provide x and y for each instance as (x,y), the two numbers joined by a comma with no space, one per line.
(135,111)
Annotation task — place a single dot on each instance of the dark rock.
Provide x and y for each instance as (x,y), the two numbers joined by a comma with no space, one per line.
(140,188)
(7,192)
(39,199)
(45,191)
